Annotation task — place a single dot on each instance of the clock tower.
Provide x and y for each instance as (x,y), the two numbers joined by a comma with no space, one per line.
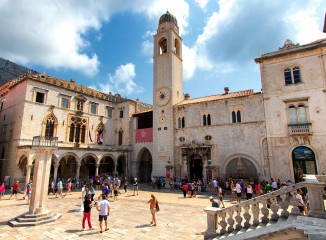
(167,91)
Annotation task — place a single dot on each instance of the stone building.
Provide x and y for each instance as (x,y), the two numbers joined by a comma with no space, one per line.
(294,81)
(277,133)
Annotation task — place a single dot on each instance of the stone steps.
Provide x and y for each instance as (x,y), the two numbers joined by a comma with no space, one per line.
(28,220)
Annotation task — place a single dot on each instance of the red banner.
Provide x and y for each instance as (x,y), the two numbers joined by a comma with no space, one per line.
(144,135)
(168,174)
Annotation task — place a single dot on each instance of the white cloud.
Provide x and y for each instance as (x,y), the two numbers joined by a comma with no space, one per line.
(122,81)
(202,3)
(50,33)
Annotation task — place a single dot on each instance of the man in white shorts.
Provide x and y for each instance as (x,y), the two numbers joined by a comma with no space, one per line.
(104,211)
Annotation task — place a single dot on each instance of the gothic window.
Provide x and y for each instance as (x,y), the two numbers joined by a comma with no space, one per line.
(49,124)
(234,118)
(208,119)
(292,76)
(204,120)
(179,122)
(163,43)
(77,130)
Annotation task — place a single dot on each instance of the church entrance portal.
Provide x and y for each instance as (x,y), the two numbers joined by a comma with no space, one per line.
(304,162)
(144,165)
(241,168)
(196,167)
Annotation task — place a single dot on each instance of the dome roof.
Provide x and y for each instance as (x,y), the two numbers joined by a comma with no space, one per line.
(168,17)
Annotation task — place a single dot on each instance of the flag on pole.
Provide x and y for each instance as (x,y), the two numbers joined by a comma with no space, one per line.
(90,136)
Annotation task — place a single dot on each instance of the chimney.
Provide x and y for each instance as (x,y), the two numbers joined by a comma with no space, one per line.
(187,96)
(226,90)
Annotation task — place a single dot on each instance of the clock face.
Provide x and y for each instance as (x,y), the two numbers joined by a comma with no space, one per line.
(162,96)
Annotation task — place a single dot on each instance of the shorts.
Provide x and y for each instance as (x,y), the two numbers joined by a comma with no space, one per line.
(101,217)
(14,191)
(239,194)
(301,208)
(153,210)
(221,199)
(115,192)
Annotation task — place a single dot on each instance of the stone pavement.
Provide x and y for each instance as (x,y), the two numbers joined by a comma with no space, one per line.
(178,218)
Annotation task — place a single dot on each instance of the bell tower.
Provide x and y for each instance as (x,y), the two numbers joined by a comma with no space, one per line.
(167,91)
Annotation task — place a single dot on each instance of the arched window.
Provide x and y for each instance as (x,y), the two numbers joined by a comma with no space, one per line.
(179,122)
(77,130)
(301,112)
(183,124)
(209,119)
(204,119)
(296,75)
(292,115)
(234,119)
(50,123)
(177,47)
(238,116)
(287,76)
(163,43)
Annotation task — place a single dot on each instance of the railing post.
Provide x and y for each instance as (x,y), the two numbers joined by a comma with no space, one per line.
(211,222)
(315,197)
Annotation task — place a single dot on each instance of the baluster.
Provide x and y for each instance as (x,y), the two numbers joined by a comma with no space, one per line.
(284,205)
(294,202)
(247,217)
(223,223)
(265,212)
(274,208)
(230,221)
(238,219)
(255,213)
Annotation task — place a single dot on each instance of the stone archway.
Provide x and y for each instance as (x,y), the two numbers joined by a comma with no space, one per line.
(145,165)
(87,167)
(22,165)
(67,167)
(107,166)
(121,166)
(304,162)
(241,168)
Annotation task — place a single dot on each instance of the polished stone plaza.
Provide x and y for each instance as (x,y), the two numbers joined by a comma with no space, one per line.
(179,218)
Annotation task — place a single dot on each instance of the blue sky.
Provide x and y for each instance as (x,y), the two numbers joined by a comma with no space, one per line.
(107,44)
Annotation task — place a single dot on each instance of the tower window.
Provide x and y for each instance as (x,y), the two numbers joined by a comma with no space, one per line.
(121,113)
(39,97)
(181,122)
(207,120)
(236,116)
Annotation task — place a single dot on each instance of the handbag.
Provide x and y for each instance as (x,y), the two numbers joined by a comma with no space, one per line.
(157,207)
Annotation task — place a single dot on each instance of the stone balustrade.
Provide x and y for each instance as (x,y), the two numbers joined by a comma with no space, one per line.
(269,207)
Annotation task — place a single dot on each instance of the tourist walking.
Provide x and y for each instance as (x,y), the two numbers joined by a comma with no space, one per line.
(60,187)
(2,190)
(104,211)
(29,191)
(249,191)
(116,192)
(69,184)
(257,188)
(184,189)
(51,187)
(233,190)
(153,206)
(15,189)
(125,185)
(301,205)
(135,186)
(238,190)
(220,196)
(87,212)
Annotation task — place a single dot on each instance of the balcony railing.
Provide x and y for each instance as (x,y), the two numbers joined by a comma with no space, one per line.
(299,129)
(40,141)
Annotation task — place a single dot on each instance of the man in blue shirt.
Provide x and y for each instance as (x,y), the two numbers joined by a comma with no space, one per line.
(214,203)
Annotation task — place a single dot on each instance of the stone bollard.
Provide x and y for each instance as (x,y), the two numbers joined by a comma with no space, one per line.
(211,222)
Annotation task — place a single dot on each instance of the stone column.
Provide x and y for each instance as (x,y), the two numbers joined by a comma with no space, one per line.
(96,171)
(315,197)
(204,168)
(184,167)
(55,172)
(41,181)
(28,173)
(78,170)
